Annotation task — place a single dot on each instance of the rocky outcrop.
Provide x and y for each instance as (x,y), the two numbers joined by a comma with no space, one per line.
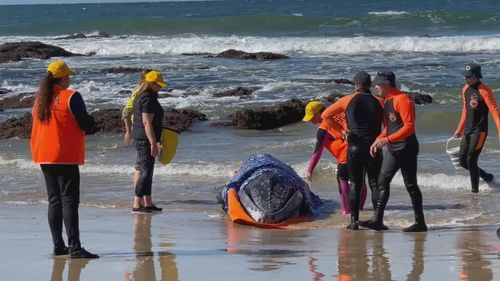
(276,116)
(108,121)
(236,92)
(420,98)
(4,91)
(122,70)
(16,127)
(237,54)
(84,36)
(19,101)
(18,50)
(182,119)
(340,81)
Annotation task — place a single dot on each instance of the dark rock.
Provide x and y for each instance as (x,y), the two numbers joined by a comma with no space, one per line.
(108,121)
(281,114)
(16,127)
(125,92)
(122,70)
(72,36)
(80,35)
(332,98)
(420,98)
(19,50)
(4,91)
(340,81)
(182,119)
(24,100)
(237,54)
(236,92)
(99,34)
(195,54)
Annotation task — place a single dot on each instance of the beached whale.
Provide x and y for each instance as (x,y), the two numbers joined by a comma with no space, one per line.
(266,192)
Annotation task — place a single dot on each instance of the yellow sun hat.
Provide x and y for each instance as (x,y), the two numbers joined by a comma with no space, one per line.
(312,109)
(60,69)
(155,76)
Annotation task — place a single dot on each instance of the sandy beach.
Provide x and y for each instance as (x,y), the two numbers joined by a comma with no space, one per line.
(179,245)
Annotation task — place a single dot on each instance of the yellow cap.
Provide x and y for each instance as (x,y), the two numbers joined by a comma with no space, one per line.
(155,76)
(59,69)
(312,109)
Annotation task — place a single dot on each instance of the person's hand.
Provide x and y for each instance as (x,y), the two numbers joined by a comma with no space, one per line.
(458,135)
(126,138)
(154,150)
(309,176)
(379,143)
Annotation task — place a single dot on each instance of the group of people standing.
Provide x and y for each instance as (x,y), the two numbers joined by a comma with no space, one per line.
(351,129)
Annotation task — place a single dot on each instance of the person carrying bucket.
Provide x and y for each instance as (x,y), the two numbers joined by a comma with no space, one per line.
(477,100)
(333,141)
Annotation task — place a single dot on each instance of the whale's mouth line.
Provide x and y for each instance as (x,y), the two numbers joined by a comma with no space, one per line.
(288,209)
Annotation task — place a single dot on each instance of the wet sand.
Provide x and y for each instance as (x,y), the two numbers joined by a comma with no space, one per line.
(196,245)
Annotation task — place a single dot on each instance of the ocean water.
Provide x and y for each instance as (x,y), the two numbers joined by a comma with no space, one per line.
(426,43)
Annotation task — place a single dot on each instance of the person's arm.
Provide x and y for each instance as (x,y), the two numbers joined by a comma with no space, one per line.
(338,107)
(461,124)
(489,99)
(79,111)
(406,109)
(148,113)
(321,139)
(127,121)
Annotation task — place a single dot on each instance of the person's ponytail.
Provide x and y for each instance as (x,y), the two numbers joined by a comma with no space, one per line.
(45,96)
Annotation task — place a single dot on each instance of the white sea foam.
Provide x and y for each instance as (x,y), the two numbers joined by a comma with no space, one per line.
(388,13)
(143,45)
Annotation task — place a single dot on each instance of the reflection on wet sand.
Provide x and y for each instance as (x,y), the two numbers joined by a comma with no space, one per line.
(145,264)
(262,258)
(75,267)
(418,257)
(473,265)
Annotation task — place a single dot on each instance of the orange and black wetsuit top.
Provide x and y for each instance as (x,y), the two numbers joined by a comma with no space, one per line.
(363,113)
(399,117)
(478,99)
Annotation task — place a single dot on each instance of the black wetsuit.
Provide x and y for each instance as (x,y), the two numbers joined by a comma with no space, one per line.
(475,133)
(364,115)
(401,154)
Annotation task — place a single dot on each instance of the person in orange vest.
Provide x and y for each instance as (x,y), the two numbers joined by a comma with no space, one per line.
(478,101)
(146,134)
(402,152)
(333,141)
(60,121)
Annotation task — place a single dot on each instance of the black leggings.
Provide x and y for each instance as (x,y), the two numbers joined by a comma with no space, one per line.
(470,148)
(361,162)
(406,160)
(63,190)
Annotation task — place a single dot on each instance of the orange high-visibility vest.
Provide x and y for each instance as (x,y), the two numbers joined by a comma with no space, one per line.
(58,140)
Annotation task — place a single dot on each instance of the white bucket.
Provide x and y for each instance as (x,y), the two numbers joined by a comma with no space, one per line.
(454,152)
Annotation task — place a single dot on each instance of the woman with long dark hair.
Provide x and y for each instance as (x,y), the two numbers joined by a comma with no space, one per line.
(60,121)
